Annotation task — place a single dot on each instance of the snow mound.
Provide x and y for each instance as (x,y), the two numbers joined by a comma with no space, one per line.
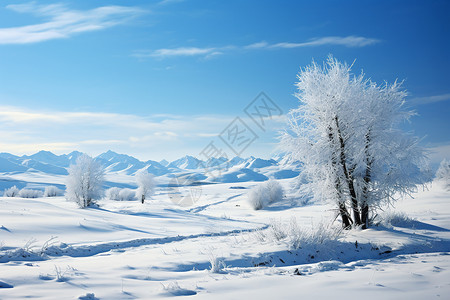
(174,289)
(88,296)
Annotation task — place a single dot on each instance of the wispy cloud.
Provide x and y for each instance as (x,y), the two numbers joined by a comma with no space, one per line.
(430,99)
(258,45)
(63,22)
(348,41)
(182,51)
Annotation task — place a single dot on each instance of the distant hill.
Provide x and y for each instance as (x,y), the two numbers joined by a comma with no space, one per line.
(186,163)
(236,169)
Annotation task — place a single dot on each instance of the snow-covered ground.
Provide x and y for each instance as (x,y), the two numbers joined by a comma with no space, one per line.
(50,249)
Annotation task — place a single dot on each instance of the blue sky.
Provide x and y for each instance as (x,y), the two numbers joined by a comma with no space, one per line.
(160,79)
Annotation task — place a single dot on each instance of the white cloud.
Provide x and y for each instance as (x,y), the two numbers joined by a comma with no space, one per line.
(14,115)
(23,131)
(348,41)
(183,51)
(28,148)
(430,99)
(63,22)
(258,45)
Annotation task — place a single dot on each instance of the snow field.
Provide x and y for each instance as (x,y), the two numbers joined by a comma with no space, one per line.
(126,250)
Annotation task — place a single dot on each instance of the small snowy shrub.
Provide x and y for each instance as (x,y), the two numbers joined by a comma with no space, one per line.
(265,194)
(174,289)
(11,192)
(64,276)
(88,296)
(278,231)
(275,191)
(118,194)
(320,234)
(52,191)
(60,275)
(28,193)
(257,197)
(390,219)
(296,237)
(113,193)
(126,195)
(217,264)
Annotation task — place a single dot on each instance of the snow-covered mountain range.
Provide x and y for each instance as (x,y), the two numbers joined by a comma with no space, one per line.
(237,169)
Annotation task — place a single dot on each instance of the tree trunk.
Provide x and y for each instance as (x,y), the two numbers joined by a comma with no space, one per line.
(346,220)
(142,199)
(348,177)
(367,178)
(365,215)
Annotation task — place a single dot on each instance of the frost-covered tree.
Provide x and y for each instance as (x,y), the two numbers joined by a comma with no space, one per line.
(84,182)
(443,172)
(145,184)
(112,193)
(52,191)
(345,133)
(29,193)
(118,194)
(11,192)
(127,195)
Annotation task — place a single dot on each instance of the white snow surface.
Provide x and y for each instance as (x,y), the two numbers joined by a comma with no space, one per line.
(51,249)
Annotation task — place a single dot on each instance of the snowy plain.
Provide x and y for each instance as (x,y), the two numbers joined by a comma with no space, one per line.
(221,248)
